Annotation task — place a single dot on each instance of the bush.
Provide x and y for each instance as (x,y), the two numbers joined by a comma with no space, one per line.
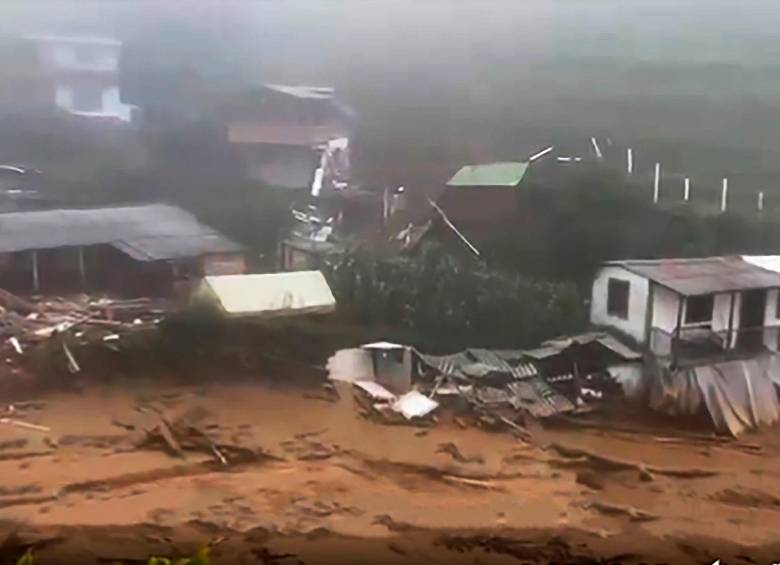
(442,301)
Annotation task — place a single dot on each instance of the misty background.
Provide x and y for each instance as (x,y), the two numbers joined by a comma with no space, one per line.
(693,84)
(437,84)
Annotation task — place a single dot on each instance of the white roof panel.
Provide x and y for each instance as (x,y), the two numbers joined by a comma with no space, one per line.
(275,294)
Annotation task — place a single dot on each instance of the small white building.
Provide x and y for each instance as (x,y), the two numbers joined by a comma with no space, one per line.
(80,75)
(689,309)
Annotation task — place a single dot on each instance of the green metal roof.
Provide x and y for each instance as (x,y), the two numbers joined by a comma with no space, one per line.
(493,174)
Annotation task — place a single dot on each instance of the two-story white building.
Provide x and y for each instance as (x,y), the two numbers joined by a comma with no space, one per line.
(80,75)
(687,310)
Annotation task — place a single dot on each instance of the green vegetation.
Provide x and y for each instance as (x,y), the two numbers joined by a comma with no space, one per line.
(201,558)
(439,301)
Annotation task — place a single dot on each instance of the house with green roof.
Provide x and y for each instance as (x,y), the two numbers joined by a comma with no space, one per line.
(484,192)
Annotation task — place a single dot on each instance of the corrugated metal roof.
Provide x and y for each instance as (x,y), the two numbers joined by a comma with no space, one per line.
(478,363)
(493,174)
(275,294)
(553,347)
(147,232)
(691,277)
(768,262)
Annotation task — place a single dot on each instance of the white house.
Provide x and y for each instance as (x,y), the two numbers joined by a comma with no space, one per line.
(691,308)
(80,75)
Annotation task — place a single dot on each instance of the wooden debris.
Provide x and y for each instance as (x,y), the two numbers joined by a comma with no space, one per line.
(582,456)
(24,425)
(632,513)
(24,323)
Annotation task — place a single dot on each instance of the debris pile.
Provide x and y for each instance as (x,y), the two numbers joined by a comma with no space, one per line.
(499,388)
(190,433)
(26,324)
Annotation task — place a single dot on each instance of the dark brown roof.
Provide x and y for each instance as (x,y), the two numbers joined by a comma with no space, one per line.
(703,276)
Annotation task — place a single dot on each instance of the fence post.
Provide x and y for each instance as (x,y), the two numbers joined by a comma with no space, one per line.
(657,183)
(630,160)
(687,189)
(724,195)
(761,201)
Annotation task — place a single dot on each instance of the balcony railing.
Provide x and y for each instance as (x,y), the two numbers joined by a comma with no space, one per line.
(696,344)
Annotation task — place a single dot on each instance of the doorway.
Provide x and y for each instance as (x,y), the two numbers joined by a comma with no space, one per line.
(751,319)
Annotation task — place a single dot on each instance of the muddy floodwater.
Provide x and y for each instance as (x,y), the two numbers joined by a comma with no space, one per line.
(331,486)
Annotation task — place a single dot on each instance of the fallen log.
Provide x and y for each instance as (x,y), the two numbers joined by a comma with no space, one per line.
(612,464)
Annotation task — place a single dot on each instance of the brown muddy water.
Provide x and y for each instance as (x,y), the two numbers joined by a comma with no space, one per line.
(334,487)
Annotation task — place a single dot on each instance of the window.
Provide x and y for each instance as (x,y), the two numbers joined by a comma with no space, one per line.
(698,309)
(617,298)
(87,99)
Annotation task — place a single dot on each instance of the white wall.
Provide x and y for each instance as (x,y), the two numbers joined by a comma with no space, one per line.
(771,320)
(64,56)
(112,106)
(639,288)
(665,303)
(631,379)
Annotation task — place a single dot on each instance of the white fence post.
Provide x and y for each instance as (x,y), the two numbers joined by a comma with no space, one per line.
(657,183)
(630,160)
(687,190)
(724,195)
(760,201)
(596,148)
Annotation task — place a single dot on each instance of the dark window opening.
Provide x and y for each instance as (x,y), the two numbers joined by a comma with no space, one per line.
(617,298)
(698,309)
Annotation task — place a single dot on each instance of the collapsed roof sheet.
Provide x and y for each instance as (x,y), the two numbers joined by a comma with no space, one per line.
(270,295)
(738,395)
(556,346)
(710,275)
(146,232)
(478,363)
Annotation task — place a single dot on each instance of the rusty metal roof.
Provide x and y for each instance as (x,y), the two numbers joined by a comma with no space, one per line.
(709,275)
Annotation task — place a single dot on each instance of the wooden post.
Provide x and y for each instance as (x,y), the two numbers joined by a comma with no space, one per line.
(82,270)
(657,183)
(724,195)
(676,341)
(731,319)
(36,280)
(687,189)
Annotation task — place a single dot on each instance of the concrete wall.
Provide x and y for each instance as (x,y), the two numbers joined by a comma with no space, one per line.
(639,287)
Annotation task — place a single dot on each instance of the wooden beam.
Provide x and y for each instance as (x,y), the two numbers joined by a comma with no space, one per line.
(450,225)
(731,319)
(676,342)
(36,279)
(82,270)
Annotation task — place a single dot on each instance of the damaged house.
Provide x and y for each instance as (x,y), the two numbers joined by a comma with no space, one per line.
(136,250)
(477,202)
(290,136)
(709,327)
